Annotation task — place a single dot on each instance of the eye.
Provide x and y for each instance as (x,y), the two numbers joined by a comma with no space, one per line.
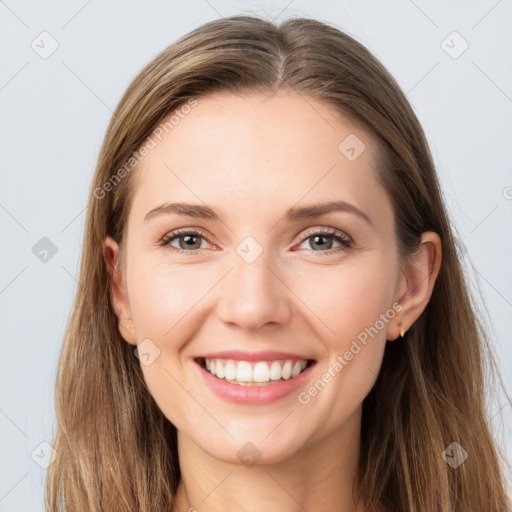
(322,240)
(184,241)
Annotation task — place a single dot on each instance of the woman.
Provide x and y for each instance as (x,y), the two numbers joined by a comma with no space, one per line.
(273,314)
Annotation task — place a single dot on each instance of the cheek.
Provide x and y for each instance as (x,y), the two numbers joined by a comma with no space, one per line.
(164,302)
(350,297)
(353,306)
(163,297)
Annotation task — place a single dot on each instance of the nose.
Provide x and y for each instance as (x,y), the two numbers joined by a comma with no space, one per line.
(254,294)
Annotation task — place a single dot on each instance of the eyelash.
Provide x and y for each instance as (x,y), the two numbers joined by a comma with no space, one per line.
(344,240)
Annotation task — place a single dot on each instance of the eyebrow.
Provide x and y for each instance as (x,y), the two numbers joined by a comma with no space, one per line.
(294,213)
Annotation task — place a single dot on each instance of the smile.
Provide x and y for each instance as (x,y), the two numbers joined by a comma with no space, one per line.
(254,373)
(254,382)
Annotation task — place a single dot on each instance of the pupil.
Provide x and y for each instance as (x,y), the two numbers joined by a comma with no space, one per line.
(321,237)
(188,241)
(318,240)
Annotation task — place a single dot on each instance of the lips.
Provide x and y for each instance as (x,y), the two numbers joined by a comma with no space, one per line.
(257,378)
(264,355)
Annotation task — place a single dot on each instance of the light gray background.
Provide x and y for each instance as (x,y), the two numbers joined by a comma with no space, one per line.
(54,113)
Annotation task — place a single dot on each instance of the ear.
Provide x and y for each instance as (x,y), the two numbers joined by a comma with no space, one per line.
(417,283)
(118,291)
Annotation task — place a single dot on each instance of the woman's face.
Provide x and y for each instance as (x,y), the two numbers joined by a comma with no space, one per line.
(270,276)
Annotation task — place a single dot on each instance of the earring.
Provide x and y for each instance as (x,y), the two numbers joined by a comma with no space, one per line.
(402,333)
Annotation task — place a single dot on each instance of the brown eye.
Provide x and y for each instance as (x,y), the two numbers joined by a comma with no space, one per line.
(186,241)
(322,241)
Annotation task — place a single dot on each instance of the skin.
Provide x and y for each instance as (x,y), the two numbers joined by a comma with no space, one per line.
(251,158)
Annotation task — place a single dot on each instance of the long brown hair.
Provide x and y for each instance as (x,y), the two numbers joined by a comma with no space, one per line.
(117,451)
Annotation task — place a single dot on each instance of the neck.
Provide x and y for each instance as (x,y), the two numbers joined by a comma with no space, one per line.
(319,475)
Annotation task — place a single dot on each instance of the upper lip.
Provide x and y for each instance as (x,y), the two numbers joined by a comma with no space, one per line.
(265,355)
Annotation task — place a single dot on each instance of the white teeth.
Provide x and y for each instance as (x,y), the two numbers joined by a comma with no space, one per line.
(261,372)
(245,373)
(286,372)
(230,371)
(219,370)
(275,371)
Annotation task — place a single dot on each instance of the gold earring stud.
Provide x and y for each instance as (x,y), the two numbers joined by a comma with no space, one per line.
(402,333)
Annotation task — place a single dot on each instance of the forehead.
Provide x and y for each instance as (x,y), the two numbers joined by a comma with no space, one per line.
(249,153)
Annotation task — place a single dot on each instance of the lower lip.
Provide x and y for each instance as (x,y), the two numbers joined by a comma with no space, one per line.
(255,395)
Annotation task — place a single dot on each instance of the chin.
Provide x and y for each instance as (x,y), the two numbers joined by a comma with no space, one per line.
(254,444)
